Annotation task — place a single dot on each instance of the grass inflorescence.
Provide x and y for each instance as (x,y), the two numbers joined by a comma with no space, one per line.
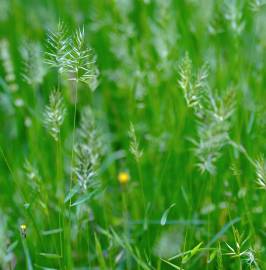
(132,134)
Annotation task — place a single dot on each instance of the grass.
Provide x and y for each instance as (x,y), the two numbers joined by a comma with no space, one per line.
(132,134)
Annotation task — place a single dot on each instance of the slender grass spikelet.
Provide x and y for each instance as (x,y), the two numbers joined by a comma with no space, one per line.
(261,172)
(134,144)
(33,174)
(193,86)
(5,56)
(33,68)
(54,114)
(33,177)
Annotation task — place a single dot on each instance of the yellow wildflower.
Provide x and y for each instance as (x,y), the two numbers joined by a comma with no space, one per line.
(123,177)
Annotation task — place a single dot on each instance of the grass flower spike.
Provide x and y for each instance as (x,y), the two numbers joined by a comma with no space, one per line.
(88,151)
(261,172)
(134,144)
(54,114)
(81,61)
(58,44)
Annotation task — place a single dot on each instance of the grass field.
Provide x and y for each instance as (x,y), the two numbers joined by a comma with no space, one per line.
(132,134)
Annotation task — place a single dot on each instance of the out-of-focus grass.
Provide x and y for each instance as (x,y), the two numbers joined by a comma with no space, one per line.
(164,206)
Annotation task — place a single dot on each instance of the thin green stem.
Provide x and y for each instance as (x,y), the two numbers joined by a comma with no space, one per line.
(69,229)
(73,136)
(125,221)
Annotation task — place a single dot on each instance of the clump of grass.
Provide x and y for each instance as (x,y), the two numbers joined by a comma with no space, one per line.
(124,243)
(244,255)
(48,223)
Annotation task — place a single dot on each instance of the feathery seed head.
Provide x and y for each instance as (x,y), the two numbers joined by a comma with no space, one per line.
(54,114)
(81,61)
(58,44)
(213,114)
(71,55)
(192,85)
(88,150)
(33,68)
(8,66)
(134,144)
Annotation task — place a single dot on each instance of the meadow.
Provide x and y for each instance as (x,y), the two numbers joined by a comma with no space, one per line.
(132,134)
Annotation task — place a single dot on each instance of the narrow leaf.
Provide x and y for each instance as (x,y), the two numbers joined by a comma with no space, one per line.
(171,264)
(71,193)
(165,214)
(84,198)
(51,255)
(54,231)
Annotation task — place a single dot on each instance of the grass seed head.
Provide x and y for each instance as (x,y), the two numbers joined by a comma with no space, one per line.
(54,114)
(261,172)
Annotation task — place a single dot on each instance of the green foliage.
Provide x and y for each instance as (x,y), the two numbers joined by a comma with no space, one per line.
(163,166)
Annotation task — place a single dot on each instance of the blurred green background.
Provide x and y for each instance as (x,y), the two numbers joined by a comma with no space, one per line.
(139,45)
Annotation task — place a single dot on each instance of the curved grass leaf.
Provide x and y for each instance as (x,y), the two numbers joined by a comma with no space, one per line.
(165,214)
